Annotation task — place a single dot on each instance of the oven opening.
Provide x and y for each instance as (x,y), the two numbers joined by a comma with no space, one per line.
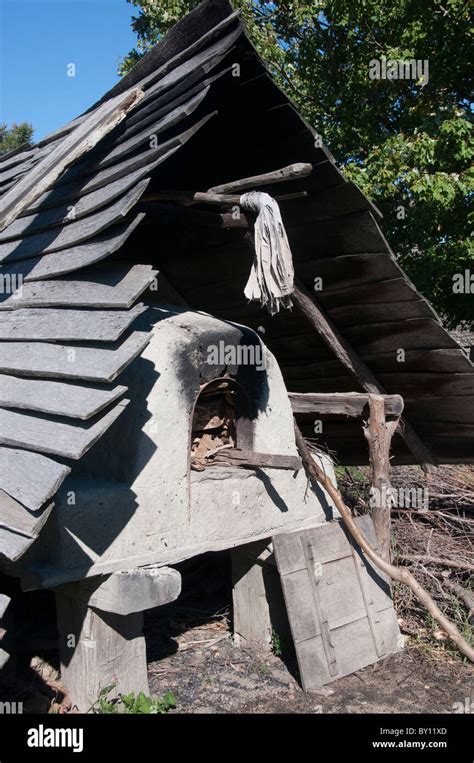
(221,419)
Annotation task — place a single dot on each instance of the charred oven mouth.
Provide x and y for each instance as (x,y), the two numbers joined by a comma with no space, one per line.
(221,420)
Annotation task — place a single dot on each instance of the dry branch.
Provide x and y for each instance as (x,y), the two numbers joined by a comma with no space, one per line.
(314,472)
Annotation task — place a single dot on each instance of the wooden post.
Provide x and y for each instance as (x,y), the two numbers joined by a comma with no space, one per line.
(379,433)
(251,609)
(100,623)
(98,649)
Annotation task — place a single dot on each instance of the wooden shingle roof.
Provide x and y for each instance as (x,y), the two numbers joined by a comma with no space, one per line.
(69,331)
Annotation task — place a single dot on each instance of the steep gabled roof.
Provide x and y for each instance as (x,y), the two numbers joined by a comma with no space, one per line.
(69,332)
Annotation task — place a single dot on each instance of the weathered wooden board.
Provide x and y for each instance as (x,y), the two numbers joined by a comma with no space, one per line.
(161,105)
(13,545)
(95,364)
(81,140)
(119,287)
(360,314)
(347,270)
(70,440)
(412,384)
(238,457)
(339,605)
(68,260)
(4,602)
(342,403)
(31,479)
(67,325)
(65,213)
(72,233)
(65,191)
(145,140)
(56,398)
(443,361)
(17,518)
(413,334)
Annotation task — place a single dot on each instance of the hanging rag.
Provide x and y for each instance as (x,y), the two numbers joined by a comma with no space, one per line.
(272,275)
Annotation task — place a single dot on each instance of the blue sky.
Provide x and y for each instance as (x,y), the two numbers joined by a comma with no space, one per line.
(39,38)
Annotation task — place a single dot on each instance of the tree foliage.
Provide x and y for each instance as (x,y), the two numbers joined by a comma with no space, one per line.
(14,136)
(407,143)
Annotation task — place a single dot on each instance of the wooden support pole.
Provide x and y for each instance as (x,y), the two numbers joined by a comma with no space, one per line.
(98,649)
(356,366)
(100,623)
(379,433)
(291,172)
(316,474)
(188,197)
(250,606)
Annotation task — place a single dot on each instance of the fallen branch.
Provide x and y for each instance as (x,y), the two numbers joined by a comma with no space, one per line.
(315,473)
(440,562)
(467,597)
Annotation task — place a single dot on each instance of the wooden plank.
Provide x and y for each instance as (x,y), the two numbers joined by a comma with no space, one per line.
(413,334)
(4,602)
(70,440)
(346,403)
(72,233)
(57,398)
(157,107)
(366,313)
(64,191)
(65,261)
(13,545)
(81,140)
(116,287)
(238,457)
(65,213)
(181,43)
(419,384)
(29,478)
(94,364)
(67,325)
(15,517)
(352,361)
(251,611)
(141,140)
(106,649)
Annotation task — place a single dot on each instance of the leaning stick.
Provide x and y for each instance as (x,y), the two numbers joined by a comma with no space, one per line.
(314,472)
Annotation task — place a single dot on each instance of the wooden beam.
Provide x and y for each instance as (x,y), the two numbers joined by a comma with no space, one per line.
(188,197)
(341,403)
(77,143)
(237,457)
(98,649)
(356,366)
(291,172)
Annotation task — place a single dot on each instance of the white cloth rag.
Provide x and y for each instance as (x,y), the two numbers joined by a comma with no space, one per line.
(272,275)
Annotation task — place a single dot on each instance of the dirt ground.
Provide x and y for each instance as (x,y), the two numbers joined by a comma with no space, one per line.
(196,658)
